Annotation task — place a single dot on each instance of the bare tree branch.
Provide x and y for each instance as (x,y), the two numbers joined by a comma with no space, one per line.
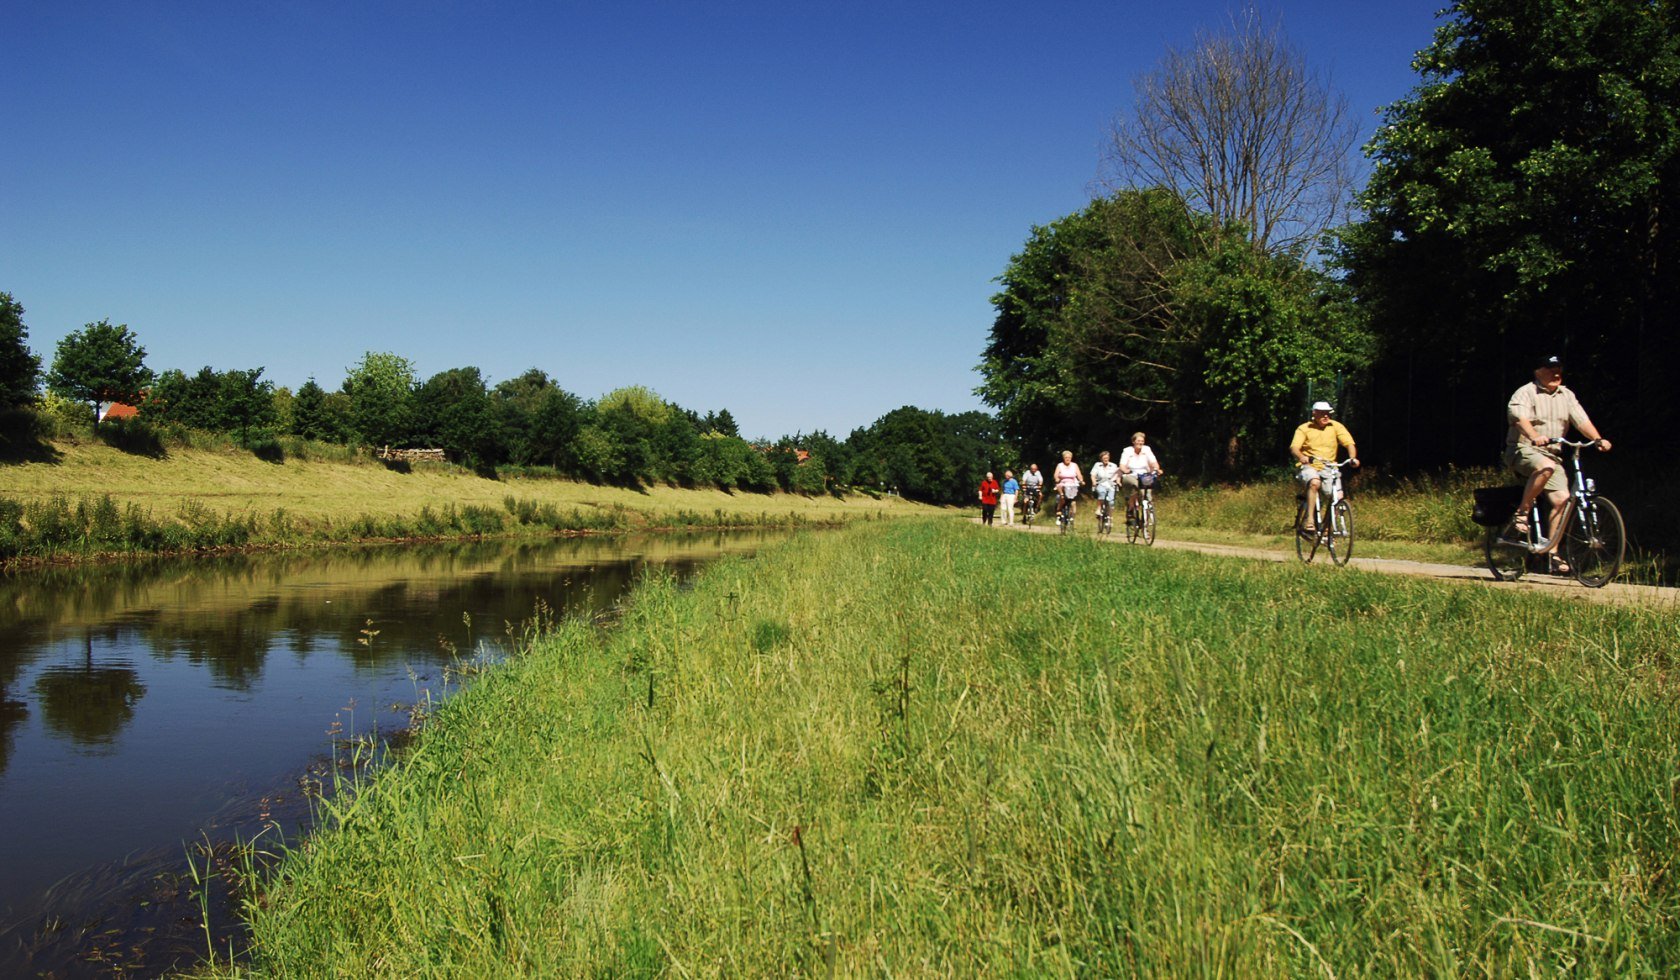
(1242,130)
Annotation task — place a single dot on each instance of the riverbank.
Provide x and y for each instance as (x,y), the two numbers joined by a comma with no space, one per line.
(90,499)
(925,747)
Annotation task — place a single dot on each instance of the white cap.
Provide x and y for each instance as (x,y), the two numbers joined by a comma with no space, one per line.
(1322,407)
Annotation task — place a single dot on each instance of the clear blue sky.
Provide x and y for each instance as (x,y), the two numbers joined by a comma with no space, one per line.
(793,210)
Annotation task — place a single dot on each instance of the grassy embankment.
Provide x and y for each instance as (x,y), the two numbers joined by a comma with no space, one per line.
(920,748)
(92,498)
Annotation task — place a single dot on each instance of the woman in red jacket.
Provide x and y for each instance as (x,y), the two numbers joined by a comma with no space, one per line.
(989,491)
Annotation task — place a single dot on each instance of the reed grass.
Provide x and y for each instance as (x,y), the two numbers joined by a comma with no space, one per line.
(922,748)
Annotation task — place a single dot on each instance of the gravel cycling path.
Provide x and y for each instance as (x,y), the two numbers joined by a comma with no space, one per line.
(1615,592)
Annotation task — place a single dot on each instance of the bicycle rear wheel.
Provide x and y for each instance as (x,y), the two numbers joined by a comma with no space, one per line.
(1507,558)
(1339,541)
(1595,543)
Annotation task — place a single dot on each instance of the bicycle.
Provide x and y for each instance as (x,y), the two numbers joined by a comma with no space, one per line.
(1029,506)
(1594,537)
(1140,520)
(1105,515)
(1334,535)
(1064,509)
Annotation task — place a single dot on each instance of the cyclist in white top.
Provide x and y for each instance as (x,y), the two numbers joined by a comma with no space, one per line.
(1103,477)
(1136,460)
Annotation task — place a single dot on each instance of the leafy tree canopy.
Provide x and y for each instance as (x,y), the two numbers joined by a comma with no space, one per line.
(1519,202)
(453,412)
(100,364)
(1135,314)
(381,391)
(20,369)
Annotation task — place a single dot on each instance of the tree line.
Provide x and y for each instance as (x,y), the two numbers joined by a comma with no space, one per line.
(1519,201)
(629,436)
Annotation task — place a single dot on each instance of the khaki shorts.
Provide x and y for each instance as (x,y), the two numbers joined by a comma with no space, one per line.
(1524,460)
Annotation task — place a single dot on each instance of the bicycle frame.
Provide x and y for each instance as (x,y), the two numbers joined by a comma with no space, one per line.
(1579,494)
(1589,533)
(1140,520)
(1332,521)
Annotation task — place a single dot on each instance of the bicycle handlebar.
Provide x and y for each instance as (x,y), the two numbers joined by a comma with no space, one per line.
(1330,463)
(1560,441)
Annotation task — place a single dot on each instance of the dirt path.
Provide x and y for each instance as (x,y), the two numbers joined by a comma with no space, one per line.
(1615,592)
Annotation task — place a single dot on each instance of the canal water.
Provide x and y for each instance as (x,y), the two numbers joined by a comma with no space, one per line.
(151,713)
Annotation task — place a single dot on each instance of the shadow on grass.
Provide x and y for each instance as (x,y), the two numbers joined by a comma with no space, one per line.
(26,448)
(269,452)
(24,439)
(134,438)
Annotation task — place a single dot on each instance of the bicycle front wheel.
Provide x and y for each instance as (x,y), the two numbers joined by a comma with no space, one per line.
(1340,539)
(1507,557)
(1147,519)
(1595,543)
(1305,546)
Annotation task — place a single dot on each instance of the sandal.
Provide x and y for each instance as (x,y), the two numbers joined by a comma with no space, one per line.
(1519,523)
(1561,567)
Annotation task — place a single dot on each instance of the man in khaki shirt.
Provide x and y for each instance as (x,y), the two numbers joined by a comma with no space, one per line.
(1539,414)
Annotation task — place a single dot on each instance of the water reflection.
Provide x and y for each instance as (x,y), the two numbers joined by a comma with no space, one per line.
(88,703)
(145,704)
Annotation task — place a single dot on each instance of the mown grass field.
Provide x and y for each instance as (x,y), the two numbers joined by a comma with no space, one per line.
(93,498)
(921,748)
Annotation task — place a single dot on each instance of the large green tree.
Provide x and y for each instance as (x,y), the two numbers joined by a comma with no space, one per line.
(1136,313)
(538,420)
(312,415)
(381,391)
(100,364)
(20,369)
(453,412)
(1521,201)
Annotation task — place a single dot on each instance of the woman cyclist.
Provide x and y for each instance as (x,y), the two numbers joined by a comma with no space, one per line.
(1069,478)
(1136,460)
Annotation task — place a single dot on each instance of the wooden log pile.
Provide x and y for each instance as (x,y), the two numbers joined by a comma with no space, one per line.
(410,455)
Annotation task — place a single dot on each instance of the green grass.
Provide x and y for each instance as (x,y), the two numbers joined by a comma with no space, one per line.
(90,498)
(920,748)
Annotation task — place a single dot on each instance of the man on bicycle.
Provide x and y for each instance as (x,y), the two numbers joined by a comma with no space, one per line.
(1315,443)
(1539,414)
(1103,477)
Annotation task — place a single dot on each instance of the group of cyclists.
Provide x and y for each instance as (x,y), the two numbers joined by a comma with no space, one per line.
(1538,416)
(1137,471)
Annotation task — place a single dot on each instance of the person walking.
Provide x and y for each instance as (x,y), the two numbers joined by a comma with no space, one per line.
(989,490)
(1007,502)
